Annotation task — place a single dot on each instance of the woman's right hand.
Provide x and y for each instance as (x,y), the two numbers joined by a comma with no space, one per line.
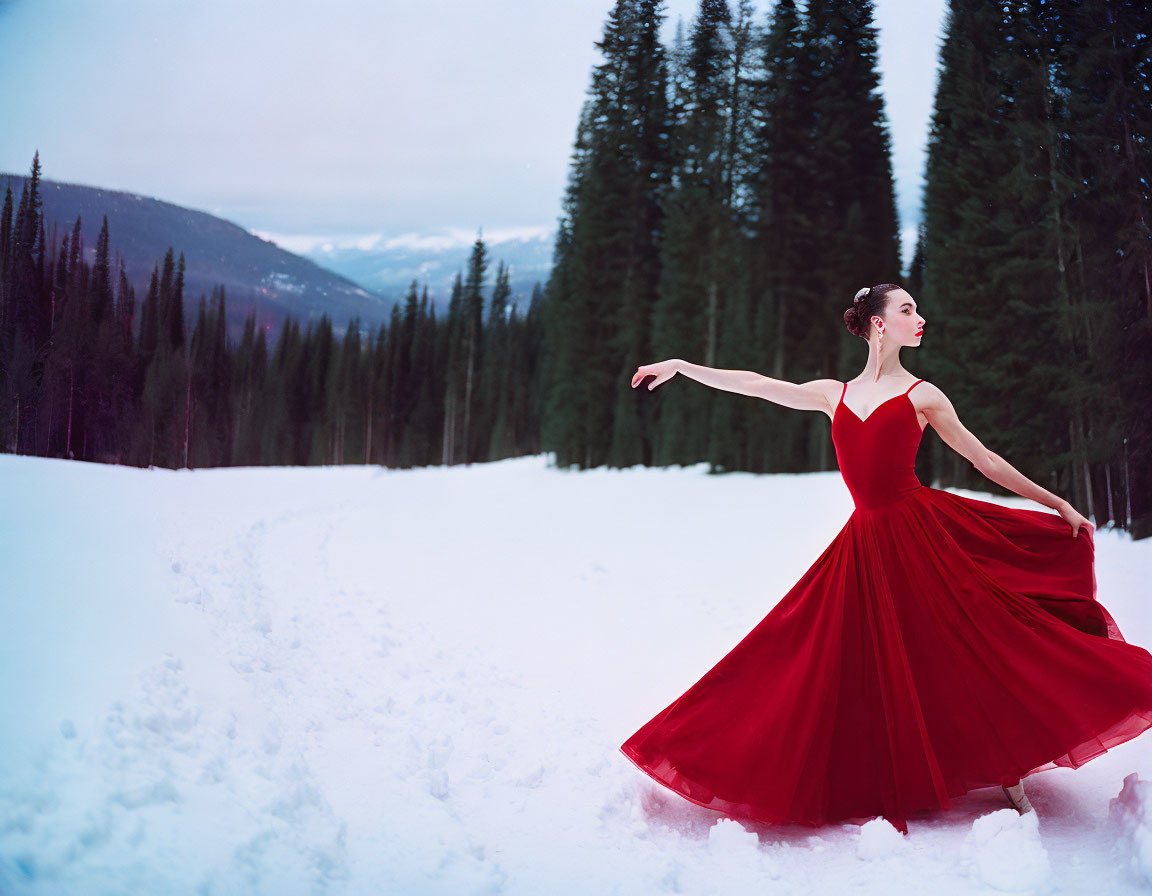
(662,370)
(1074,518)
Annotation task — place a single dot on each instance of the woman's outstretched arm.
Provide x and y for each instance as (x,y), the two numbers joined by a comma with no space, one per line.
(934,404)
(810,396)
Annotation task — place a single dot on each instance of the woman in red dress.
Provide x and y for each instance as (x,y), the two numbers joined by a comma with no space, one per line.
(939,644)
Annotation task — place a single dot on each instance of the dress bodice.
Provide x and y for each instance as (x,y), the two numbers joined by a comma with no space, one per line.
(877,455)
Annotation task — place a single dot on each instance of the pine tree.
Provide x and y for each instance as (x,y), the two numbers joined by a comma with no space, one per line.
(100,354)
(5,265)
(401,377)
(1102,61)
(376,401)
(423,433)
(968,148)
(245,447)
(606,260)
(1024,186)
(100,288)
(494,371)
(687,313)
(473,335)
(150,317)
(851,176)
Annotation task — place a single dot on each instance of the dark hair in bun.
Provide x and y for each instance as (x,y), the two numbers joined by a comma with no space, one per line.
(869,301)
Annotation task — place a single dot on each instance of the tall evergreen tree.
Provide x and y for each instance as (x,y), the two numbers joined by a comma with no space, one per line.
(697,243)
(851,176)
(1102,66)
(969,151)
(473,336)
(607,250)
(5,263)
(454,373)
(494,371)
(428,383)
(784,236)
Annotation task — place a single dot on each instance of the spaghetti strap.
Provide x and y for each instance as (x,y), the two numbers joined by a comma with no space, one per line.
(842,391)
(913,386)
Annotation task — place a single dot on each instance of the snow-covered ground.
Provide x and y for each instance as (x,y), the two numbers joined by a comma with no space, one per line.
(355,680)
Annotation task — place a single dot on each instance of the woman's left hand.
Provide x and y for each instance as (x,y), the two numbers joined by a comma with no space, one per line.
(1074,519)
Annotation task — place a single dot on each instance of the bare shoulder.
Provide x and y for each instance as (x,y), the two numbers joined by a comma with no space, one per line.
(828,391)
(934,406)
(928,396)
(937,410)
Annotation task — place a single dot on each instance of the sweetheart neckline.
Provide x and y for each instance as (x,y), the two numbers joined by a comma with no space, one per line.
(875,409)
(841,404)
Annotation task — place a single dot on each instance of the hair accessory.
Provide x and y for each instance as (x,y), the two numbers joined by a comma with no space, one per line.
(862,293)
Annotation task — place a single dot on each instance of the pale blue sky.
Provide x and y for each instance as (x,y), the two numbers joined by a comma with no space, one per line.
(352,119)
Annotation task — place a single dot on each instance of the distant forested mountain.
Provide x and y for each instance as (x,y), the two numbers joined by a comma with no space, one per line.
(258,276)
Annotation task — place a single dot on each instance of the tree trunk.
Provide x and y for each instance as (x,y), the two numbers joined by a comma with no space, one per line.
(1130,155)
(368,434)
(781,323)
(1090,504)
(68,443)
(1076,425)
(187,414)
(1108,488)
(1127,490)
(447,442)
(710,348)
(468,392)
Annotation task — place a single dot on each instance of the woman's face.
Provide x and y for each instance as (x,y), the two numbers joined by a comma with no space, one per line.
(903,324)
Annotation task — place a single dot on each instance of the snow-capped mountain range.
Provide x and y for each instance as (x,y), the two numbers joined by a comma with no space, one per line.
(387,264)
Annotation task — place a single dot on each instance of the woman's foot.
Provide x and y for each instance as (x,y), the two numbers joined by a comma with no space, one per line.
(1017,797)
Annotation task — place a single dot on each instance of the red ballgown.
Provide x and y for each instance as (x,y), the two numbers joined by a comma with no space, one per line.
(938,644)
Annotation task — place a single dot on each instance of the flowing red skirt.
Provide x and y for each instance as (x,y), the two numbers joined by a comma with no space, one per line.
(938,645)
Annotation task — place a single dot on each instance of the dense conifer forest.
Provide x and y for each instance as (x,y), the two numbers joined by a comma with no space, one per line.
(90,374)
(727,196)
